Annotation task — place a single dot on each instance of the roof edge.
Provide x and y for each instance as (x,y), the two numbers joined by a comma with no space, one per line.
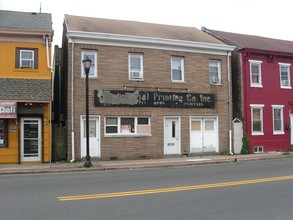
(106,38)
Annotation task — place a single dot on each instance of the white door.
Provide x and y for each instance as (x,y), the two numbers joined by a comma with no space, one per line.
(204,135)
(172,136)
(94,136)
(291,130)
(31,139)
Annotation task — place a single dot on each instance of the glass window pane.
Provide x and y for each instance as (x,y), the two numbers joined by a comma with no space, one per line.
(177,68)
(111,121)
(209,125)
(3,132)
(177,75)
(143,121)
(196,125)
(111,129)
(92,128)
(127,125)
(257,120)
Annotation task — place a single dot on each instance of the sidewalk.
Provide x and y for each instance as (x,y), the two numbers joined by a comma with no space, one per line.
(134,164)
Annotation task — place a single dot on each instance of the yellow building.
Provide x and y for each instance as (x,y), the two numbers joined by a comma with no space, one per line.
(25,87)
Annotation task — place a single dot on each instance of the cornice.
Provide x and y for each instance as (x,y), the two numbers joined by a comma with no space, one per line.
(147,42)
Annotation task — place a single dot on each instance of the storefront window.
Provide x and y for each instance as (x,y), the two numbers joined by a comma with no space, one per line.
(127,125)
(3,132)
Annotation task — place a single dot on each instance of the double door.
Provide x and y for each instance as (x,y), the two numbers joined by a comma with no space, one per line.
(204,135)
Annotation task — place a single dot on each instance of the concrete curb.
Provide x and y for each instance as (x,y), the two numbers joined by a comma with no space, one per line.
(131,165)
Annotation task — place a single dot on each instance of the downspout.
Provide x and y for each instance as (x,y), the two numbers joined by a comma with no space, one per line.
(52,94)
(229,103)
(72,105)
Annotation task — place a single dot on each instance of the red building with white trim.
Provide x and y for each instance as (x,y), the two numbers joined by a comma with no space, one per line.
(262,89)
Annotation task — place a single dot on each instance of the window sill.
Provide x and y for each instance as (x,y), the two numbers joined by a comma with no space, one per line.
(127,135)
(26,70)
(257,134)
(136,80)
(177,81)
(256,86)
(286,87)
(216,84)
(278,132)
(90,77)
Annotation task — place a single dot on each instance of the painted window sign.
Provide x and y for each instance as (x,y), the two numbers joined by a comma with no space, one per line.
(153,99)
(8,109)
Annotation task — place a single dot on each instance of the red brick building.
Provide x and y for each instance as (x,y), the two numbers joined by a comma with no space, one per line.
(262,89)
(154,90)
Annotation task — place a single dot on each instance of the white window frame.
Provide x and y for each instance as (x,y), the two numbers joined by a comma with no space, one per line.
(215,80)
(94,66)
(135,74)
(181,68)
(121,132)
(258,63)
(281,108)
(285,84)
(260,107)
(31,61)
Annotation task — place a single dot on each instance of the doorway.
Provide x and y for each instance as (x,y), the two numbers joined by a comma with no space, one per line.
(204,135)
(31,139)
(172,138)
(94,136)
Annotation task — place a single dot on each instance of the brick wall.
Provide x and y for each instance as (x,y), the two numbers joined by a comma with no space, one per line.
(113,75)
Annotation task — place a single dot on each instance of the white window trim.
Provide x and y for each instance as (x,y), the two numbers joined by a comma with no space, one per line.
(289,81)
(83,52)
(256,85)
(182,69)
(32,61)
(140,78)
(282,119)
(119,134)
(259,106)
(219,73)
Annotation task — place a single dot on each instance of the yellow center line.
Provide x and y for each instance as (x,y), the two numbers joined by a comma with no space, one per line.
(173,189)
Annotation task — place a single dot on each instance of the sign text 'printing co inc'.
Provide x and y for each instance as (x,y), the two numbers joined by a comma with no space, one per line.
(153,99)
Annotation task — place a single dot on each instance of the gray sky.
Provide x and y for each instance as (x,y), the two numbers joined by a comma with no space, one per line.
(255,17)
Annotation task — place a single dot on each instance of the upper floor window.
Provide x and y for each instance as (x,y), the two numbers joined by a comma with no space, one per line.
(278,119)
(285,75)
(26,58)
(177,65)
(215,71)
(92,55)
(3,132)
(135,66)
(255,73)
(257,119)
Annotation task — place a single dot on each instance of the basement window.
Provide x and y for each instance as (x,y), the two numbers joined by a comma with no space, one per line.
(258,149)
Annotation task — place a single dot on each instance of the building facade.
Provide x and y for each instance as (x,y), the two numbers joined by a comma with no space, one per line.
(154,90)
(25,87)
(262,89)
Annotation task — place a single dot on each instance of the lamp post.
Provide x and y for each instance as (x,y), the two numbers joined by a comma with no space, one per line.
(87,65)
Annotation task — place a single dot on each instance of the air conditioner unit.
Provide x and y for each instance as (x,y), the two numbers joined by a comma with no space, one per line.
(285,82)
(26,64)
(135,75)
(215,79)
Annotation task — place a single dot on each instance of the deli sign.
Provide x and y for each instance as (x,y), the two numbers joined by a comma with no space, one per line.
(7,109)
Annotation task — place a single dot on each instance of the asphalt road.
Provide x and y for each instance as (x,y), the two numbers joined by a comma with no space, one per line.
(247,190)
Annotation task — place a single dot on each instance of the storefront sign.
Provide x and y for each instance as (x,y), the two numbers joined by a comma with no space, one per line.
(153,99)
(7,109)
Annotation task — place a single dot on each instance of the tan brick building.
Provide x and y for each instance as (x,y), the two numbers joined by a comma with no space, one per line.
(154,90)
